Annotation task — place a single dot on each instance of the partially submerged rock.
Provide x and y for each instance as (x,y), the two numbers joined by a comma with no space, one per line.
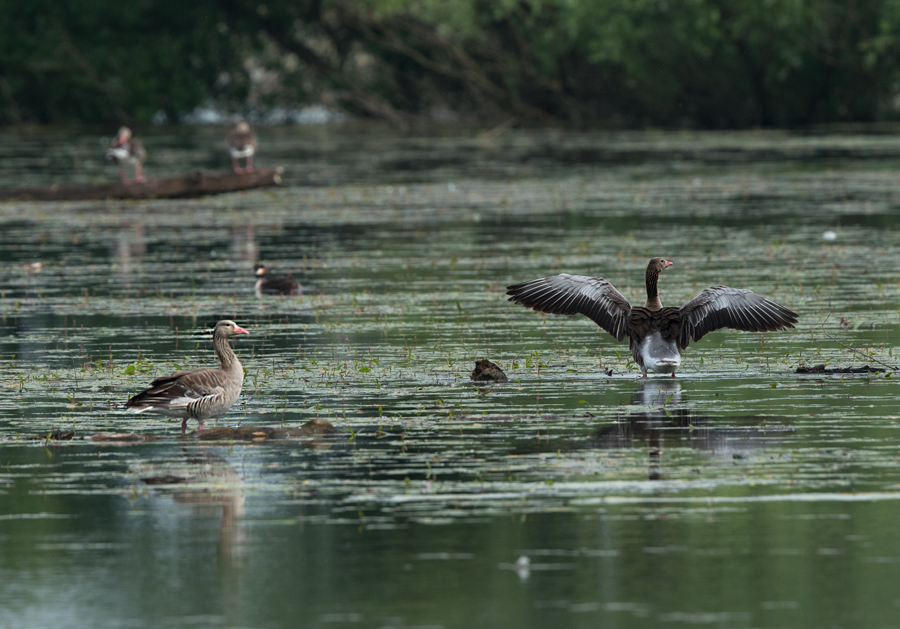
(822,370)
(317,427)
(58,434)
(312,428)
(486,371)
(122,437)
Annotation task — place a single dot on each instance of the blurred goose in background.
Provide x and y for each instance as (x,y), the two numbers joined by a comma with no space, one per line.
(127,150)
(274,284)
(656,335)
(197,393)
(241,143)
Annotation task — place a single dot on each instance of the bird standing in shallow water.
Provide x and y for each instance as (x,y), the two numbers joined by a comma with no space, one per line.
(656,335)
(127,150)
(274,284)
(241,143)
(197,393)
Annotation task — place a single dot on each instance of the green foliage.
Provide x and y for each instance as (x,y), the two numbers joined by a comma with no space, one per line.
(73,61)
(702,63)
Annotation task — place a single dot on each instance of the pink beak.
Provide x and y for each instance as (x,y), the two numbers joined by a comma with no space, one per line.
(239,330)
(668,264)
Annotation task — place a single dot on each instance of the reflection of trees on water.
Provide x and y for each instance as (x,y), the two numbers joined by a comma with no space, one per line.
(665,417)
(204,480)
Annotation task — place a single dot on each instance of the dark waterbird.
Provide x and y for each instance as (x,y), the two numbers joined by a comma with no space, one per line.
(656,335)
(274,284)
(197,393)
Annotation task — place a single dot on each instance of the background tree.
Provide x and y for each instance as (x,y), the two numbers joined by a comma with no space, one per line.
(697,63)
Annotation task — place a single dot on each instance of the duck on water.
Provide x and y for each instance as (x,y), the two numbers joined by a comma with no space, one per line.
(657,335)
(201,393)
(274,284)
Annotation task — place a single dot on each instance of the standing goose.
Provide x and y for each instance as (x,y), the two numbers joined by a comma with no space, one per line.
(274,285)
(241,143)
(197,393)
(127,150)
(656,335)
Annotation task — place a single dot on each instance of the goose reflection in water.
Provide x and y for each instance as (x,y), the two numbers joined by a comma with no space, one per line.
(243,243)
(131,246)
(665,415)
(204,480)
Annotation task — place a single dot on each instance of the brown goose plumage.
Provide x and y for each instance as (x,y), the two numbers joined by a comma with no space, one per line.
(656,335)
(197,393)
(241,143)
(274,284)
(127,150)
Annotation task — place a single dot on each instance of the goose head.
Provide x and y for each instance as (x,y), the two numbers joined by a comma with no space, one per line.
(227,329)
(123,136)
(658,265)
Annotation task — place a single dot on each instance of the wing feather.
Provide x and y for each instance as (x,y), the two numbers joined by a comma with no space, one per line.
(723,307)
(565,294)
(177,389)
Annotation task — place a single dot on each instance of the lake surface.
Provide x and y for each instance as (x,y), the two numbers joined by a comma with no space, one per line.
(739,494)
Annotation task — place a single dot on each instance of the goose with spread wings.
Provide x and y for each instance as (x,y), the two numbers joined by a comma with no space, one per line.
(657,335)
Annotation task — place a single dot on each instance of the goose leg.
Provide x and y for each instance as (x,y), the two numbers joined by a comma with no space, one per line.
(123,176)
(139,173)
(183,427)
(249,167)
(236,166)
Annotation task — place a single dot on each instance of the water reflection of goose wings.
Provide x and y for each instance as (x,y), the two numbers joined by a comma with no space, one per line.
(204,480)
(197,477)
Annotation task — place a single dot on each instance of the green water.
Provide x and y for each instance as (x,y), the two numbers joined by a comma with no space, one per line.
(738,495)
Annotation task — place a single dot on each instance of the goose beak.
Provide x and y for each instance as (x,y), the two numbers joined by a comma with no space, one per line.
(239,330)
(668,264)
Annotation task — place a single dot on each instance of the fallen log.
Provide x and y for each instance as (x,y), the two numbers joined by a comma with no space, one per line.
(194,185)
(822,370)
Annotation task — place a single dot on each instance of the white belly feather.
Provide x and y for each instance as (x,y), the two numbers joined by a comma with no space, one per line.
(238,152)
(657,354)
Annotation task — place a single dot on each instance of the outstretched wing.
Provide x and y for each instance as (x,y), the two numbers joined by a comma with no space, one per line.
(566,294)
(723,307)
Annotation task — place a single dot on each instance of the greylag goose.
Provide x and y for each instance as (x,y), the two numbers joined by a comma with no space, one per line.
(127,150)
(241,143)
(275,284)
(197,393)
(656,335)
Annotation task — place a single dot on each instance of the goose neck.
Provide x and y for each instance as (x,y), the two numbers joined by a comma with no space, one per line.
(653,301)
(226,355)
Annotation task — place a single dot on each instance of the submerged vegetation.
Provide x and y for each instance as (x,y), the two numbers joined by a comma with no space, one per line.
(571,492)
